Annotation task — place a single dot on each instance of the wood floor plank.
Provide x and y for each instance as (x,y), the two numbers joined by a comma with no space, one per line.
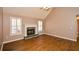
(42,43)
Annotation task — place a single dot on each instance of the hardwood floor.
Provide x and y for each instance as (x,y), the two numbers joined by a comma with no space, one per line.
(42,43)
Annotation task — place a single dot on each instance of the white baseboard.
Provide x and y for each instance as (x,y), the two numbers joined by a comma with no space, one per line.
(61,37)
(12,40)
(16,39)
(40,34)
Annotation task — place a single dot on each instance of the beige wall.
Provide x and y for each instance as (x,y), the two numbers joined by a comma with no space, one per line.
(62,22)
(6,26)
(1,27)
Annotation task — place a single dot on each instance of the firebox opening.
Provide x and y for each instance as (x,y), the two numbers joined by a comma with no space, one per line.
(30,31)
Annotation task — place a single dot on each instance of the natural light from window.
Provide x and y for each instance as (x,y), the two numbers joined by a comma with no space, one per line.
(40,26)
(15,25)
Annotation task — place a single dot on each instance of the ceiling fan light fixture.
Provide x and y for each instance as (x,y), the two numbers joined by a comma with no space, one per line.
(45,8)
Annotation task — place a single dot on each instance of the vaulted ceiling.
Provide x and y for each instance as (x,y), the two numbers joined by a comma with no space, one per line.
(34,12)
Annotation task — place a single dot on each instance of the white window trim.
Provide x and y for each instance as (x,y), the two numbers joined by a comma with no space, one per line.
(40,26)
(16,25)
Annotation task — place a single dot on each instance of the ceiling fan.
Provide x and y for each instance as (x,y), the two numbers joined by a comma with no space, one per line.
(45,8)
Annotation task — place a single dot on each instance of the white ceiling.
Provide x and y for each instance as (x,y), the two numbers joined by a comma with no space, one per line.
(34,12)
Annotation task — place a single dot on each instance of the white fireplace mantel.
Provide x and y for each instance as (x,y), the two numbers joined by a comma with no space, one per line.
(36,29)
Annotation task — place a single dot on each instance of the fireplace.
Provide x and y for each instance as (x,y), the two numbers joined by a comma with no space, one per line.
(30,31)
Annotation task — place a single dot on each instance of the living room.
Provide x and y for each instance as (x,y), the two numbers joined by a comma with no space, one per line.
(40,28)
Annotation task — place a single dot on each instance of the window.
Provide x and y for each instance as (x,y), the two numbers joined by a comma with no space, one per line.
(40,26)
(16,24)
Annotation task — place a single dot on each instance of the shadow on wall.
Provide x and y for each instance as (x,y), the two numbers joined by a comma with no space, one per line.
(1,26)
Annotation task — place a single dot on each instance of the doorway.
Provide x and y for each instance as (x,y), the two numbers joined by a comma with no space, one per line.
(77,17)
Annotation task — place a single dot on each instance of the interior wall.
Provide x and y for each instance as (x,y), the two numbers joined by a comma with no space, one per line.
(1,37)
(62,22)
(6,26)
